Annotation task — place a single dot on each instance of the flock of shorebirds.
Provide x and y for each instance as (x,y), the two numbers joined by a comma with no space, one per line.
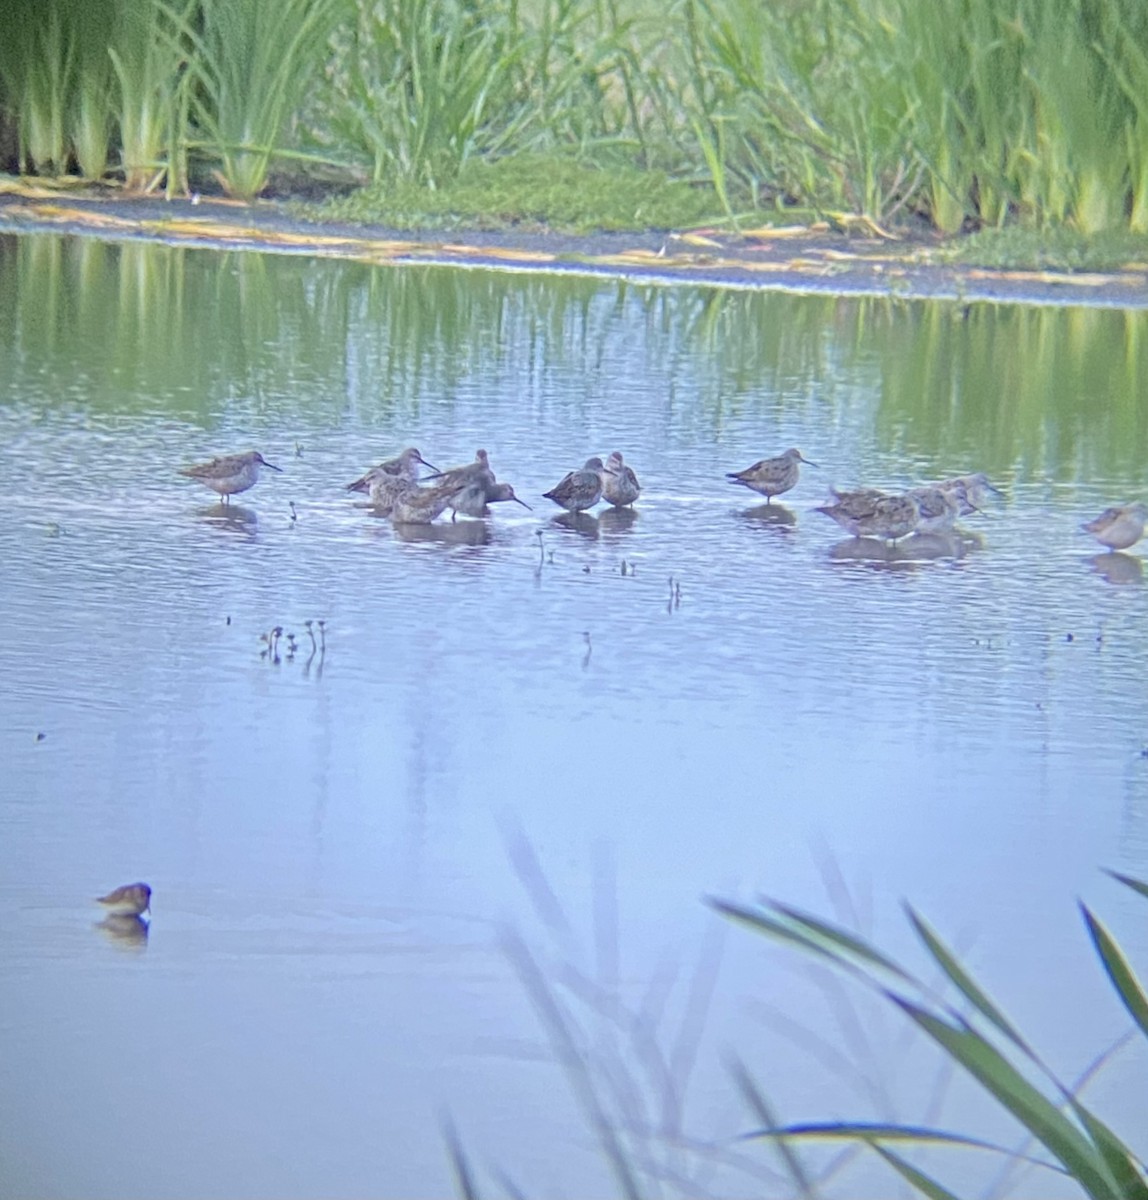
(395,489)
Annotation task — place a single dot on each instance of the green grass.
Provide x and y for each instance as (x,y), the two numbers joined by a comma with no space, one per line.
(968,113)
(540,191)
(1073,1141)
(1060,249)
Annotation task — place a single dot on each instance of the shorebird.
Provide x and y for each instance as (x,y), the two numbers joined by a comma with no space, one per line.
(579,490)
(473,472)
(127,901)
(869,513)
(1119,527)
(230,474)
(772,476)
(851,509)
(414,505)
(977,490)
(892,517)
(403,466)
(620,485)
(940,506)
(472,501)
(385,488)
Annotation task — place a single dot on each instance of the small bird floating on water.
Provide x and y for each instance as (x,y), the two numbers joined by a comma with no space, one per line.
(620,485)
(1119,527)
(772,476)
(230,474)
(128,901)
(579,490)
(404,466)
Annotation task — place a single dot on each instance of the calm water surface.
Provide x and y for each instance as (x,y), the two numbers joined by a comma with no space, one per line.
(519,766)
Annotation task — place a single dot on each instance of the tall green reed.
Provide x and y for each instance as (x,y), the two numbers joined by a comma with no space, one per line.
(975,1035)
(252,62)
(148,55)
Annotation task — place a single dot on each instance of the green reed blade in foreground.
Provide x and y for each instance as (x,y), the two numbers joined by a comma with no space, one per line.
(1119,972)
(926,1185)
(1005,1083)
(1137,885)
(1085,1148)
(964,982)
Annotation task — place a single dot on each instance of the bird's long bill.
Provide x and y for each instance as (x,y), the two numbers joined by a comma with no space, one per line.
(428,465)
(523,503)
(808,463)
(273,467)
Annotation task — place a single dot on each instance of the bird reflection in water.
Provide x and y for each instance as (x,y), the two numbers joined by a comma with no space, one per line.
(581,523)
(229,516)
(1117,568)
(462,533)
(776,515)
(124,931)
(614,521)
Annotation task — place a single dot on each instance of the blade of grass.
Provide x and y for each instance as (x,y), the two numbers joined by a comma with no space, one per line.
(883,1131)
(1034,1110)
(918,1179)
(964,982)
(764,1111)
(841,939)
(1123,979)
(1137,885)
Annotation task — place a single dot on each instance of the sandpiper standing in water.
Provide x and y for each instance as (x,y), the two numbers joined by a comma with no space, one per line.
(479,470)
(579,490)
(976,490)
(128,901)
(472,501)
(231,474)
(403,467)
(1119,527)
(940,506)
(870,513)
(620,485)
(414,505)
(772,476)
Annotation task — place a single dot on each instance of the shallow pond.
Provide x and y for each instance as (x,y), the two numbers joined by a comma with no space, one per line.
(448,867)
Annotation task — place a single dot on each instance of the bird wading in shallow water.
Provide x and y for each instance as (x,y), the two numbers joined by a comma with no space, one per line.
(403,467)
(772,476)
(473,499)
(620,485)
(579,490)
(231,474)
(473,472)
(977,490)
(414,505)
(1119,527)
(940,507)
(128,901)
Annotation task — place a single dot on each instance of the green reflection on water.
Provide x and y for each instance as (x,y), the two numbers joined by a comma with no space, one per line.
(1037,392)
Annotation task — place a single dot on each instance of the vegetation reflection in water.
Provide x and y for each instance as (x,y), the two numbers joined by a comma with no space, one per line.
(983,379)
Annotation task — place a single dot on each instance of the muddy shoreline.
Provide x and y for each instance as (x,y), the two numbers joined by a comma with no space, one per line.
(800,260)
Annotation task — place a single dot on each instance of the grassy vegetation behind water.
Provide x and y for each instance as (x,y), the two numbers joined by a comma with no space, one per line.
(958,113)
